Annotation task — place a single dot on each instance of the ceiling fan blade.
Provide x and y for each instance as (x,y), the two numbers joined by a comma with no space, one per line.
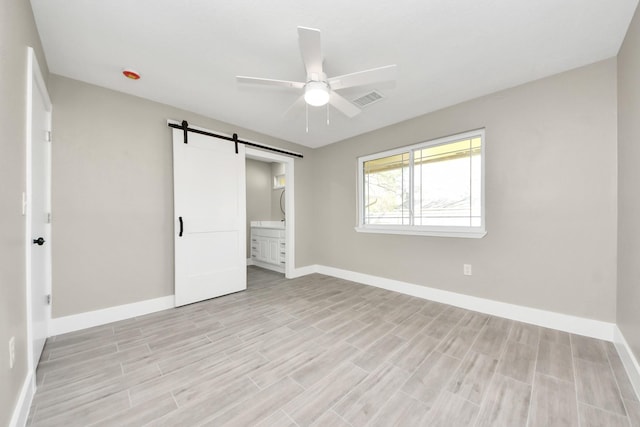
(362,78)
(344,106)
(311,49)
(270,82)
(295,108)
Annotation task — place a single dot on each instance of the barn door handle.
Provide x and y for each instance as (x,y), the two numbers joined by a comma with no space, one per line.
(39,241)
(181,226)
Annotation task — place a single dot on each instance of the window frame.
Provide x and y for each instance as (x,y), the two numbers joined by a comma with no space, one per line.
(424,230)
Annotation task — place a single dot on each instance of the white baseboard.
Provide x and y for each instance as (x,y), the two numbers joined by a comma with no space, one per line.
(249,262)
(76,322)
(303,271)
(629,361)
(563,322)
(268,266)
(21,410)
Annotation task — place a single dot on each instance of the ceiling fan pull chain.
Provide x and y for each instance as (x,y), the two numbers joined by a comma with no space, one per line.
(327,114)
(306,109)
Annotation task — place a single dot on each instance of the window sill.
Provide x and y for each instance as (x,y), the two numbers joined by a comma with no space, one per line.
(415,232)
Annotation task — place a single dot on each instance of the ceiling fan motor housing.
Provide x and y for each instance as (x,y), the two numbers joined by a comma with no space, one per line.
(316,93)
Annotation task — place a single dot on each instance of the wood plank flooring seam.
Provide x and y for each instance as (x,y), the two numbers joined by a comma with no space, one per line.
(533,381)
(575,374)
(619,389)
(504,349)
(599,408)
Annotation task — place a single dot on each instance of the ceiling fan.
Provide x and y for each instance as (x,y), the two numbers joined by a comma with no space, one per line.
(318,89)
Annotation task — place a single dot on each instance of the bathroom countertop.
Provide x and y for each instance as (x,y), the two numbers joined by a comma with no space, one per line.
(268,224)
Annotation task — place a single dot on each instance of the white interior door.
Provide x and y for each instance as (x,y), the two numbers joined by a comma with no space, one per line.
(39,209)
(209,202)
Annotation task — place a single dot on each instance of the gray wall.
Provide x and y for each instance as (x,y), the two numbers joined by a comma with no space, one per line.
(113,196)
(276,213)
(628,178)
(17,31)
(550,199)
(259,185)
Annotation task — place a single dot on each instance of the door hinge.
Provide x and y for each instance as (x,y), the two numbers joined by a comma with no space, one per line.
(48,298)
(48,136)
(48,219)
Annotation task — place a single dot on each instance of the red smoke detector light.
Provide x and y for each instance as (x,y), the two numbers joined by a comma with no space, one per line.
(130,74)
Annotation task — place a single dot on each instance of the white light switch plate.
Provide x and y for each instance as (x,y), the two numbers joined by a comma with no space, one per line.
(12,352)
(466,269)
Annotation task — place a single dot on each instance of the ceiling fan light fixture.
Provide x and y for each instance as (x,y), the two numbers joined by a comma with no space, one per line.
(316,94)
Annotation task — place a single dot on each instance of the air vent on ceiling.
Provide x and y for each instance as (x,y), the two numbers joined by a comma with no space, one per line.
(368,99)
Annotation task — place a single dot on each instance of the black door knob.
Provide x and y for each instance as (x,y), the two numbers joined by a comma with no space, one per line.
(39,241)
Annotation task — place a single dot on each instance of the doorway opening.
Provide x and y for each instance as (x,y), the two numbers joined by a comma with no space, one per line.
(270,211)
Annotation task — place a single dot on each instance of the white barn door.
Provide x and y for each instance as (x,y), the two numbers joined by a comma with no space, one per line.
(210,216)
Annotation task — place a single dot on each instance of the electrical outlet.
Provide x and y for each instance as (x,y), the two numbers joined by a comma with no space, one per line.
(466,269)
(12,352)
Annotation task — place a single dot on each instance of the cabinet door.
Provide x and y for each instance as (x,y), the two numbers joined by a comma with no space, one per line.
(263,251)
(274,253)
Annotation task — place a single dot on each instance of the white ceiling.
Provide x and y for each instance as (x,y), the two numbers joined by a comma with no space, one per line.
(447,51)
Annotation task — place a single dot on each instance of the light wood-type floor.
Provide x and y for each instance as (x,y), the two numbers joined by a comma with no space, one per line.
(323,351)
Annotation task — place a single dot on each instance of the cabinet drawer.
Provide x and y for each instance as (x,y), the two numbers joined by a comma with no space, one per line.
(267,232)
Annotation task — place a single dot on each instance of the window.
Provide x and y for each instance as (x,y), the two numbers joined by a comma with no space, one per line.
(434,188)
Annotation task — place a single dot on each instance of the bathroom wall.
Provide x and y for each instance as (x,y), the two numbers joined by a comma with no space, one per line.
(276,212)
(259,183)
